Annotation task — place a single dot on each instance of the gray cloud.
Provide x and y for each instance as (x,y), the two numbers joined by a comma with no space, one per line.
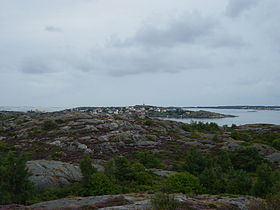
(53,29)
(35,67)
(44,64)
(185,29)
(163,53)
(122,62)
(237,7)
(225,40)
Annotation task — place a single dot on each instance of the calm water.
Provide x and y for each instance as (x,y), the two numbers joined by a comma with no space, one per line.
(243,117)
(29,108)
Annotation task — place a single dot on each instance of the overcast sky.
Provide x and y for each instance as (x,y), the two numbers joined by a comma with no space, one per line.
(126,52)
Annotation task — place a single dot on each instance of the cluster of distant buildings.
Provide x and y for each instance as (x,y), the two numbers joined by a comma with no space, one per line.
(141,109)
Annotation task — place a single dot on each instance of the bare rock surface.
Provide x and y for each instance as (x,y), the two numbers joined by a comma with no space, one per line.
(163,173)
(142,201)
(53,174)
(274,158)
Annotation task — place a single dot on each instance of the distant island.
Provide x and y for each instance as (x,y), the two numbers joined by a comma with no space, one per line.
(153,111)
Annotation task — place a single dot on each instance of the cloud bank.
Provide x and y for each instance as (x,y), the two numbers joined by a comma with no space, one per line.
(166,53)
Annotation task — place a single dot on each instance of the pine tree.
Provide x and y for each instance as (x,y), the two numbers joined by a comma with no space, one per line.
(15,186)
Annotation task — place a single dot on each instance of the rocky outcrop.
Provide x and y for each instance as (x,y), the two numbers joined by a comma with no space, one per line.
(163,173)
(98,202)
(53,174)
(104,136)
(274,158)
(264,149)
(142,201)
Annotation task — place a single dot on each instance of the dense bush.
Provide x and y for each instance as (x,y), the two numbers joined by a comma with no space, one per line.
(148,159)
(14,184)
(120,169)
(49,125)
(196,161)
(200,126)
(87,171)
(264,182)
(58,193)
(246,159)
(129,176)
(149,122)
(183,183)
(276,144)
(213,180)
(100,184)
(241,136)
(238,182)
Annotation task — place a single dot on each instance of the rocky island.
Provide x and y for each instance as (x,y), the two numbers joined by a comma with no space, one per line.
(85,160)
(154,111)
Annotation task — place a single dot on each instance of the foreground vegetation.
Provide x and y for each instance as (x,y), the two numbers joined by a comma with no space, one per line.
(243,172)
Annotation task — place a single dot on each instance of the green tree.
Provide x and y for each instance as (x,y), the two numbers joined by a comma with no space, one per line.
(148,159)
(264,182)
(238,182)
(120,169)
(246,159)
(213,180)
(87,170)
(49,125)
(183,183)
(196,161)
(124,170)
(223,160)
(142,177)
(100,184)
(15,186)
(276,143)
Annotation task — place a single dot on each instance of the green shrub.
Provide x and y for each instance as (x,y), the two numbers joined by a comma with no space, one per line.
(162,201)
(120,169)
(49,125)
(100,184)
(142,177)
(238,182)
(14,184)
(35,132)
(216,138)
(240,136)
(149,122)
(183,183)
(87,170)
(246,159)
(200,126)
(148,159)
(58,193)
(196,161)
(222,160)
(4,147)
(276,144)
(213,180)
(60,121)
(264,182)
(130,177)
(186,127)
